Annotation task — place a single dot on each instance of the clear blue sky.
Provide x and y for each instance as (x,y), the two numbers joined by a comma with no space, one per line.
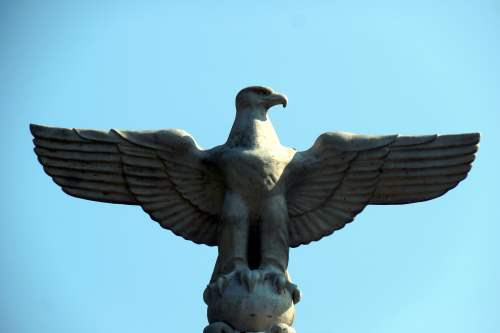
(374,67)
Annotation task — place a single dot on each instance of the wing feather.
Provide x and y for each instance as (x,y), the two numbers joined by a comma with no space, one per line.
(54,144)
(83,174)
(83,168)
(109,197)
(423,171)
(165,201)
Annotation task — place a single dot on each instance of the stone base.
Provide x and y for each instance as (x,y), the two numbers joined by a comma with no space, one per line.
(236,308)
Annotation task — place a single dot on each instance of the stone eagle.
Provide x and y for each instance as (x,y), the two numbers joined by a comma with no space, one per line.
(252,197)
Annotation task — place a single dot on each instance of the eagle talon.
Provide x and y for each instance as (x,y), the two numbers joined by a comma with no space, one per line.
(249,278)
(244,276)
(280,283)
(277,278)
(294,291)
(221,284)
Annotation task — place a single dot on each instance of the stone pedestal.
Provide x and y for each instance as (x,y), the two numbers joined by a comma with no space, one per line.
(236,306)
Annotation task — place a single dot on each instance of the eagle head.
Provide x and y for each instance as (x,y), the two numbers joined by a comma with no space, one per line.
(259,97)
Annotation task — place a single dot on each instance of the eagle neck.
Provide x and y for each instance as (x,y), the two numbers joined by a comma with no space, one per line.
(252,129)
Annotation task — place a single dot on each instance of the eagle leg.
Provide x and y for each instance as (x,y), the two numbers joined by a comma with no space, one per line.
(274,240)
(233,246)
(233,238)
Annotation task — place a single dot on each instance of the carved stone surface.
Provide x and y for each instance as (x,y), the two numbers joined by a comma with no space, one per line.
(251,307)
(252,197)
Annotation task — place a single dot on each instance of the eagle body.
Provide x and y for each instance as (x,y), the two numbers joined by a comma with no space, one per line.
(254,212)
(254,172)
(258,171)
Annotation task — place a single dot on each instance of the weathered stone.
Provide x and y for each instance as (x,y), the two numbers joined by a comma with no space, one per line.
(252,197)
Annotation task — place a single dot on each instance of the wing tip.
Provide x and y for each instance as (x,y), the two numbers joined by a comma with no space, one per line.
(35,129)
(471,138)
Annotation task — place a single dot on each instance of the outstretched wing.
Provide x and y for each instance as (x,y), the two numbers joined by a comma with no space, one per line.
(163,171)
(341,173)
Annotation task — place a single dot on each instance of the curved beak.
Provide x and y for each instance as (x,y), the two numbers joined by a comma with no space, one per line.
(275,99)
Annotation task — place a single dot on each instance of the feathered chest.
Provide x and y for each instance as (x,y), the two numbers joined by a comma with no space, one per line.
(255,169)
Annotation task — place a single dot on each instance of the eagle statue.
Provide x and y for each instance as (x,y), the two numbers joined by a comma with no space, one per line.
(252,197)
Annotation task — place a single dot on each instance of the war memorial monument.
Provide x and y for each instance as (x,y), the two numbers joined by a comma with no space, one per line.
(252,197)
